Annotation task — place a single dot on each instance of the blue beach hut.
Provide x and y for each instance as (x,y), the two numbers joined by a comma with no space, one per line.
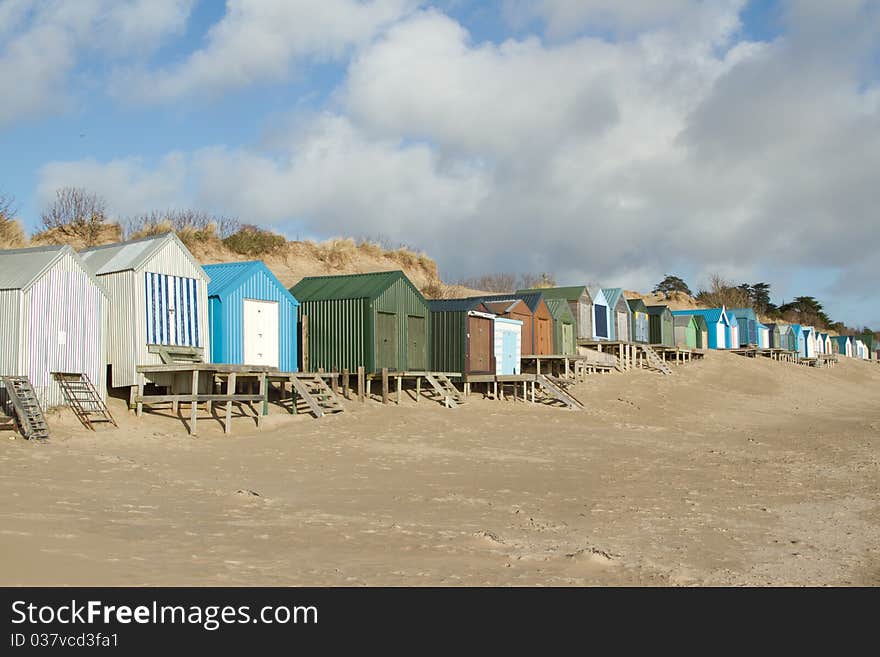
(748,325)
(601,314)
(253,317)
(619,315)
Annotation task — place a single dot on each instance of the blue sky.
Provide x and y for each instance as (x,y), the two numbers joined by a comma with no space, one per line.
(605,141)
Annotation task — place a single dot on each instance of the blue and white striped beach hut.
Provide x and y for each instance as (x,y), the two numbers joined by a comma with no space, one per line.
(158,300)
(253,317)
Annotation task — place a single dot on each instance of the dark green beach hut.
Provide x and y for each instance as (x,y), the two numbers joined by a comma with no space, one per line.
(376,320)
(661,326)
(564,326)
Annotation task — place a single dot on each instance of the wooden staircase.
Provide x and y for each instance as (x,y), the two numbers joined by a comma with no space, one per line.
(31,421)
(317,395)
(84,400)
(445,390)
(556,390)
(654,360)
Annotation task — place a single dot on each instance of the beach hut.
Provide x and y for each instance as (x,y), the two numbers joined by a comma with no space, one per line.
(564,330)
(508,345)
(747,321)
(860,349)
(462,337)
(252,316)
(774,336)
(158,303)
(843,345)
(717,324)
(662,328)
(870,343)
(640,323)
(733,332)
(619,320)
(829,347)
(53,314)
(686,331)
(377,320)
(805,340)
(515,309)
(578,299)
(763,336)
(601,314)
(702,332)
(539,339)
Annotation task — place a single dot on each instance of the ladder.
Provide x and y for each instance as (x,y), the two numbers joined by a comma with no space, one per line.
(82,397)
(31,420)
(317,395)
(555,389)
(449,395)
(654,361)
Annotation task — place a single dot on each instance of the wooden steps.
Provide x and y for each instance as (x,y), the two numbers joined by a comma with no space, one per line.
(654,361)
(84,400)
(445,390)
(31,421)
(556,389)
(316,394)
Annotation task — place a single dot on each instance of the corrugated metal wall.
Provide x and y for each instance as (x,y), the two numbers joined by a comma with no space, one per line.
(63,327)
(448,341)
(172,310)
(338,335)
(10,348)
(583,313)
(227,322)
(400,298)
(661,330)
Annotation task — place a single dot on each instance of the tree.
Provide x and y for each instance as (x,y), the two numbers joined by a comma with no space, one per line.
(807,310)
(530,281)
(11,233)
(672,284)
(76,214)
(721,292)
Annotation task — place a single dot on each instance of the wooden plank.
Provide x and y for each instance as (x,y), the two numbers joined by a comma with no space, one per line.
(264,396)
(384,385)
(305,342)
(360,377)
(187,398)
(346,392)
(140,394)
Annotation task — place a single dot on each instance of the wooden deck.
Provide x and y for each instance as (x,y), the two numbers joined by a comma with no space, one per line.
(569,366)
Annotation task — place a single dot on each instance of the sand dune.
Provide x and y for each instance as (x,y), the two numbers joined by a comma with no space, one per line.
(732,471)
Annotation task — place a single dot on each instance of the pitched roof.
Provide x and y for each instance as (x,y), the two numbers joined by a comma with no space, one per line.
(532,300)
(456,305)
(637,305)
(613,295)
(560,310)
(504,306)
(131,255)
(227,277)
(658,310)
(570,293)
(684,320)
(743,312)
(348,286)
(711,315)
(21,268)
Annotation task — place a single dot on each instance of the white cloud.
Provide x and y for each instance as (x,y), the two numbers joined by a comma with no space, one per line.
(41,43)
(260,41)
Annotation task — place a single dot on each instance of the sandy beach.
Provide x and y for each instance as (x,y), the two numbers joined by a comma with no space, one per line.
(732,471)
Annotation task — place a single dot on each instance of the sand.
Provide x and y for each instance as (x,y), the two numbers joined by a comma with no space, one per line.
(730,472)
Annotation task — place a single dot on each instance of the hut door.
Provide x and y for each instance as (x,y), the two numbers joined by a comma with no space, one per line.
(386,341)
(601,324)
(260,332)
(172,310)
(622,330)
(566,338)
(509,353)
(479,345)
(416,342)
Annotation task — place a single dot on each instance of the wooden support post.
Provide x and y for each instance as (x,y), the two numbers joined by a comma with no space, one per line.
(293,397)
(566,368)
(495,386)
(467,389)
(230,390)
(399,388)
(264,395)
(132,395)
(142,379)
(538,365)
(346,392)
(194,405)
(418,387)
(360,376)
(334,381)
(533,391)
(369,388)
(384,385)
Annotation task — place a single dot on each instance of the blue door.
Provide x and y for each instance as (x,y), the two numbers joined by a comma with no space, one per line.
(508,349)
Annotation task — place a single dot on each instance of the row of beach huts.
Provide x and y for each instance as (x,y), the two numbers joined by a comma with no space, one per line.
(108,312)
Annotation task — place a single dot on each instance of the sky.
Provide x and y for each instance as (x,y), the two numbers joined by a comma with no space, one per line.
(603,141)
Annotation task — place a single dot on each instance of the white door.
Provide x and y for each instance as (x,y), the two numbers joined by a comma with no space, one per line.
(260,332)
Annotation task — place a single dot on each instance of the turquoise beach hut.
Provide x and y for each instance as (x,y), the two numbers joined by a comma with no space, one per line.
(252,316)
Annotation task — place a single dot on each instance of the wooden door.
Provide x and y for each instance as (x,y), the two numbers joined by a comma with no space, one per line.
(480,346)
(386,341)
(260,332)
(416,341)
